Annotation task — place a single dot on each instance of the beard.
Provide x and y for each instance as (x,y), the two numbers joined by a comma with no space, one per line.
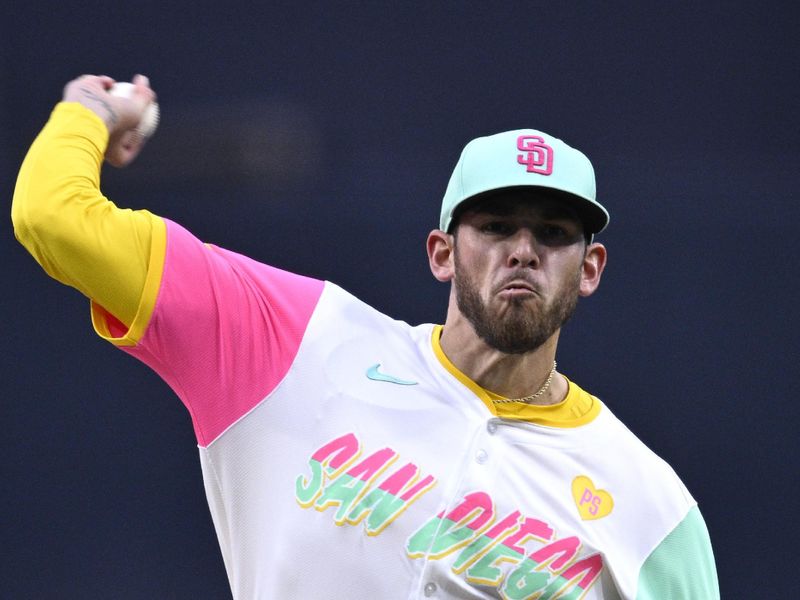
(524,327)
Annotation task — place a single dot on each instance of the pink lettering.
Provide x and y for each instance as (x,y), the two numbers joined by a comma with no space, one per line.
(596,501)
(475,502)
(504,525)
(372,465)
(529,528)
(589,498)
(538,157)
(400,478)
(485,545)
(590,567)
(337,452)
(566,547)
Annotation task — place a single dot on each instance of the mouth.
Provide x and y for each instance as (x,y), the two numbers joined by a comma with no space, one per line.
(518,288)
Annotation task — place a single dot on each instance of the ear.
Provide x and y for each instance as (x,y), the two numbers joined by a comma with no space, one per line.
(594,261)
(440,248)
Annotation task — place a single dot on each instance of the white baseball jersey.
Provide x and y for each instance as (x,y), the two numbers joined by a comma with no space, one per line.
(345,457)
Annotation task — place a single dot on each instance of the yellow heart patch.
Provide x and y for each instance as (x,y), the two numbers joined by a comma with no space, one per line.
(591,502)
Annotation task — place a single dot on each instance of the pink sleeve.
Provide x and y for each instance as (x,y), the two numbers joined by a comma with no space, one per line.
(224,331)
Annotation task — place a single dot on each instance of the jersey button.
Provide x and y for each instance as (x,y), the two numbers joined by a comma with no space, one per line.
(491,427)
(430,589)
(481,456)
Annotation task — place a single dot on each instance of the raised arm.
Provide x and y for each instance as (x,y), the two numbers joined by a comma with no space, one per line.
(60,215)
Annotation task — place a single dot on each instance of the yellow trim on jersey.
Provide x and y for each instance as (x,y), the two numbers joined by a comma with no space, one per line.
(147,302)
(578,408)
(455,372)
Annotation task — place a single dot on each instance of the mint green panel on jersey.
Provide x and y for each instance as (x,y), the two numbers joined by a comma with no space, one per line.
(681,566)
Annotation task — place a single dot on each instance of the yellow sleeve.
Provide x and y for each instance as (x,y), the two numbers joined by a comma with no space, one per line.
(74,232)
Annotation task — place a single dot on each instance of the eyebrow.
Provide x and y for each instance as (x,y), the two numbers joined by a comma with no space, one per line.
(554,212)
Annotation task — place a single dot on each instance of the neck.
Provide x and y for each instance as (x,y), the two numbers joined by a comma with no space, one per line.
(509,375)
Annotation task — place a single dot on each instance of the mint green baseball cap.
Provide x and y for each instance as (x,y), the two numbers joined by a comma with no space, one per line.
(524,158)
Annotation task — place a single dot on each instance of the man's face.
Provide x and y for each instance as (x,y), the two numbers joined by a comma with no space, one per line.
(518,267)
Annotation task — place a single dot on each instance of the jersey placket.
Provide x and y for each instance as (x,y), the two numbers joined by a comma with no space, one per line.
(468,512)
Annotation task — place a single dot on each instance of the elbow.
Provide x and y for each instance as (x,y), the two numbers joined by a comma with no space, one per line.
(23,229)
(38,226)
(28,209)
(29,225)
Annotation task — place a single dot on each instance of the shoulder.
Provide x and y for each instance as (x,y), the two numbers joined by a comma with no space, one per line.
(663,540)
(344,316)
(642,463)
(649,498)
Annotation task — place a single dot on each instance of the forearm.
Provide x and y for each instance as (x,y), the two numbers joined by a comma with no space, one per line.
(76,234)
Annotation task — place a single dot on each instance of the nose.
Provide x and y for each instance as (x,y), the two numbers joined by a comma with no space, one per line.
(523,251)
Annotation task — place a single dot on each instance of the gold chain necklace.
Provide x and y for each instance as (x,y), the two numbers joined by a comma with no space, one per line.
(532,397)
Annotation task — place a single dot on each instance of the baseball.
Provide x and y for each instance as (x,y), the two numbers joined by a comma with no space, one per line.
(147,126)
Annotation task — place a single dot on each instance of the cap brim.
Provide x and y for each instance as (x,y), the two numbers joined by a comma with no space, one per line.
(593,217)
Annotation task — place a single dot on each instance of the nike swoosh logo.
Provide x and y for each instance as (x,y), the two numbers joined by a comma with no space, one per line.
(375,375)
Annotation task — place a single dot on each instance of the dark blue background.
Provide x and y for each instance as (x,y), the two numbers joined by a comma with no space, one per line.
(688,113)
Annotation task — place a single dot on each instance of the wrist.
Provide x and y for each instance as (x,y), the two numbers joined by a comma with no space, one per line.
(98,102)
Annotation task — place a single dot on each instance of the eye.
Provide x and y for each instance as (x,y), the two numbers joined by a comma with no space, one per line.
(553,231)
(555,234)
(497,228)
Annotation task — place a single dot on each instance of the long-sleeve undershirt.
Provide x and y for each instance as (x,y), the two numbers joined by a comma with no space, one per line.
(73,231)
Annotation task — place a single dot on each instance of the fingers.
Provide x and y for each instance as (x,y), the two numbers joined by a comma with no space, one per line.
(143,89)
(98,83)
(140,79)
(106,81)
